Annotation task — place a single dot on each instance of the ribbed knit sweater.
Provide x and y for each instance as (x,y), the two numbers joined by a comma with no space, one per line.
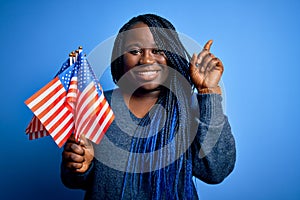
(213,150)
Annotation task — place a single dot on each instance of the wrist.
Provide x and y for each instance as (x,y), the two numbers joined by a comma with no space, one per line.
(210,90)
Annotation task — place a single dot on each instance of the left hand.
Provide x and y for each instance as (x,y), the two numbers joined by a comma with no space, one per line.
(205,69)
(77,156)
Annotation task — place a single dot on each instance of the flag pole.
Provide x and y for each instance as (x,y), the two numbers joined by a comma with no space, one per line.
(73,57)
(70,58)
(80,49)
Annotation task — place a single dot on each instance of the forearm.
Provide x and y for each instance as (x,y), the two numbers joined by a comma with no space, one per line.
(214,146)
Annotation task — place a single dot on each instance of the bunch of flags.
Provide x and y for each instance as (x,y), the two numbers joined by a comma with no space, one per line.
(72,103)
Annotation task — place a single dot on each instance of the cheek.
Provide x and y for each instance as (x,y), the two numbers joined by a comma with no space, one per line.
(165,75)
(162,60)
(129,62)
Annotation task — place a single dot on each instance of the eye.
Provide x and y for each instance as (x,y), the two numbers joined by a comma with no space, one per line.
(135,51)
(158,51)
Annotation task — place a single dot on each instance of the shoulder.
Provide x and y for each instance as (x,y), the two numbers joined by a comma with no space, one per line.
(114,92)
(108,94)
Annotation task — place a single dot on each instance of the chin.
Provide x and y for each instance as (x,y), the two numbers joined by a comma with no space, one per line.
(151,87)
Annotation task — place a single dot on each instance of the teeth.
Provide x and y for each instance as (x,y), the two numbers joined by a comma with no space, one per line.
(148,73)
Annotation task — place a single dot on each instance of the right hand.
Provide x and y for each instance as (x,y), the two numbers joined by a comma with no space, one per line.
(206,69)
(77,156)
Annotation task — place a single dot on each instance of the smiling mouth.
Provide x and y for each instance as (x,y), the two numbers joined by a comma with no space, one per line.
(148,73)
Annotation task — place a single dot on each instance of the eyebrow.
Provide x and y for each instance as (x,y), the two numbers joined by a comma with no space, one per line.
(140,45)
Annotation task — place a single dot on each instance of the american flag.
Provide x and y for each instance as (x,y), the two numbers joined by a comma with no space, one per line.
(93,114)
(72,102)
(48,105)
(35,128)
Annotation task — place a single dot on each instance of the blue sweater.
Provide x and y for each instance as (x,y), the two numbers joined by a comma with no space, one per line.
(213,150)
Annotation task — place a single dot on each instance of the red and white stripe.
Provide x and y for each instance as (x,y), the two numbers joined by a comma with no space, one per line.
(99,123)
(93,114)
(48,105)
(36,129)
(72,94)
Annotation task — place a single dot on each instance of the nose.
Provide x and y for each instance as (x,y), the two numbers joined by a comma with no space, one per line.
(147,57)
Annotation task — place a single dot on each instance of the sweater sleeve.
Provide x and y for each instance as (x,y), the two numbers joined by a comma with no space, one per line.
(75,180)
(213,149)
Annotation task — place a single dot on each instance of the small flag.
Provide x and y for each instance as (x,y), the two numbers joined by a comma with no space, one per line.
(48,105)
(93,114)
(35,128)
(72,102)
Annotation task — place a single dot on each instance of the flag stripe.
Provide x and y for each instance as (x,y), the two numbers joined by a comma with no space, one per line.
(72,91)
(44,91)
(97,121)
(102,128)
(51,101)
(52,114)
(67,127)
(61,137)
(45,111)
(72,94)
(90,127)
(59,121)
(104,119)
(62,140)
(96,106)
(85,101)
(109,121)
(39,134)
(83,97)
(34,127)
(63,129)
(87,112)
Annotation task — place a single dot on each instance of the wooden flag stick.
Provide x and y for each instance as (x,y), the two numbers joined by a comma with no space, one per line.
(70,58)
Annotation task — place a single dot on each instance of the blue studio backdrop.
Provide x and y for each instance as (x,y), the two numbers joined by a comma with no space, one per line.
(258,42)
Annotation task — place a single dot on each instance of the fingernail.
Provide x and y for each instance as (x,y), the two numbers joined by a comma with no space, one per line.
(193,57)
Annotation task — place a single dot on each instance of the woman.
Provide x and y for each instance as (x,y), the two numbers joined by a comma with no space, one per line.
(163,133)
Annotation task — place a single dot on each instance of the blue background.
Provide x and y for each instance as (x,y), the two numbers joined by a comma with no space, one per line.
(258,42)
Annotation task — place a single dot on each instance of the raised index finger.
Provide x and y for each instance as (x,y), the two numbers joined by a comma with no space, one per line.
(208,45)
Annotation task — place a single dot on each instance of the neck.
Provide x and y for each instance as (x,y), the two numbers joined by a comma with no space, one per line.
(141,93)
(140,102)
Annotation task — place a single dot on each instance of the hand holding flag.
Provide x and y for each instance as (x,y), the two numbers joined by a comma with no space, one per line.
(72,102)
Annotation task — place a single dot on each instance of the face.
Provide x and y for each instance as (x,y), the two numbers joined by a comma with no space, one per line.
(145,65)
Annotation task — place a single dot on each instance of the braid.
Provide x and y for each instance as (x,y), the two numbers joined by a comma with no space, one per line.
(166,38)
(177,119)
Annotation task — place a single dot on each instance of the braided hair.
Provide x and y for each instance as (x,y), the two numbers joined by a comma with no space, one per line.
(175,100)
(166,38)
